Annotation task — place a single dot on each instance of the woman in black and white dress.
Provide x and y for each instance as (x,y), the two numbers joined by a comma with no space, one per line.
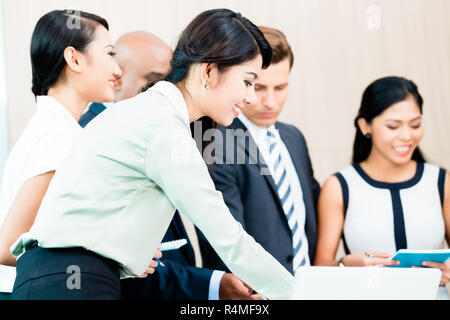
(389,198)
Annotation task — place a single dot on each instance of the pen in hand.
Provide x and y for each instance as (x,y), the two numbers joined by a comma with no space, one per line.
(159,262)
(170,245)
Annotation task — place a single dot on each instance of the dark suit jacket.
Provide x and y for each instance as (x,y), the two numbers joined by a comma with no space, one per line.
(94,110)
(253,199)
(180,279)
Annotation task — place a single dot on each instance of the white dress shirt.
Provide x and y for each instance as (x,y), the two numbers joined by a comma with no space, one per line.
(116,193)
(259,135)
(41,147)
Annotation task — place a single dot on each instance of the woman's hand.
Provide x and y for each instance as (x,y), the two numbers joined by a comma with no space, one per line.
(444,267)
(370,258)
(153,264)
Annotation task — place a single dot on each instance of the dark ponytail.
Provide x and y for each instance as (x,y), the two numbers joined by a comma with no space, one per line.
(379,96)
(179,66)
(53,33)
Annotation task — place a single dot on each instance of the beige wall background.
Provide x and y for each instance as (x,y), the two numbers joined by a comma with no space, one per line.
(340,46)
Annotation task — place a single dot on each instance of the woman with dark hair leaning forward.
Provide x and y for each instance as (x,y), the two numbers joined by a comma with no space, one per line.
(109,204)
(71,67)
(389,198)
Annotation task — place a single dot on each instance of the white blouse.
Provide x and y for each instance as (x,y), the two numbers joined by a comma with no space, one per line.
(42,146)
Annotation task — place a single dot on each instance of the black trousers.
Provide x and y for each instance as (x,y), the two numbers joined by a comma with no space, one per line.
(65,274)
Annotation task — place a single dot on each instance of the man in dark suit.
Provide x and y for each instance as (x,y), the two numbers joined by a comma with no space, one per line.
(144,58)
(263,169)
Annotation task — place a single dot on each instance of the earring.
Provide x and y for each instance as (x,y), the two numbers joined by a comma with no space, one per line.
(368,136)
(207,85)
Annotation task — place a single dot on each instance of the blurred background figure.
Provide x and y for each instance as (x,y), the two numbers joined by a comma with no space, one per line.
(143,58)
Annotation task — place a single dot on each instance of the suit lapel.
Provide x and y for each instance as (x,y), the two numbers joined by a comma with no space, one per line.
(296,155)
(299,157)
(263,168)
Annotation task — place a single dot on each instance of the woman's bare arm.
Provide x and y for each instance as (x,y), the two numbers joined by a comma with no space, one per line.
(22,213)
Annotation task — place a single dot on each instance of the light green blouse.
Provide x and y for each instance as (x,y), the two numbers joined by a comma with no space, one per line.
(116,193)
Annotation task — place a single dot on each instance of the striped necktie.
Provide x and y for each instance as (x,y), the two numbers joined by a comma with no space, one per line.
(283,187)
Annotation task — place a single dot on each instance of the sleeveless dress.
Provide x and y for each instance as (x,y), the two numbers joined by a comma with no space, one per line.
(387,217)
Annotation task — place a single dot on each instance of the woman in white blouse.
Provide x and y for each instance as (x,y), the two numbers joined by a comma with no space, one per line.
(73,64)
(111,201)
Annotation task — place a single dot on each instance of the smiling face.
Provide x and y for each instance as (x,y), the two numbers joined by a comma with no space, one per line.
(396,132)
(100,69)
(231,91)
(272,89)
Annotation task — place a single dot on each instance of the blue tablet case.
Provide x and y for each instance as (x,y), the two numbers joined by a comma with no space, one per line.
(409,258)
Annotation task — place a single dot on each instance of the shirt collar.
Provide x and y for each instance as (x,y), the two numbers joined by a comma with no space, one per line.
(259,133)
(50,104)
(171,92)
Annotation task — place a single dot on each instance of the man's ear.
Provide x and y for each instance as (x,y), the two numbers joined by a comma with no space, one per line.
(73,59)
(364,126)
(209,74)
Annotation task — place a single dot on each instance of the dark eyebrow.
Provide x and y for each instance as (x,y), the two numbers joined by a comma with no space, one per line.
(417,118)
(253,74)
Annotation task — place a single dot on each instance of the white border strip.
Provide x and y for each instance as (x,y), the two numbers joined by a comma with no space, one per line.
(4,144)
